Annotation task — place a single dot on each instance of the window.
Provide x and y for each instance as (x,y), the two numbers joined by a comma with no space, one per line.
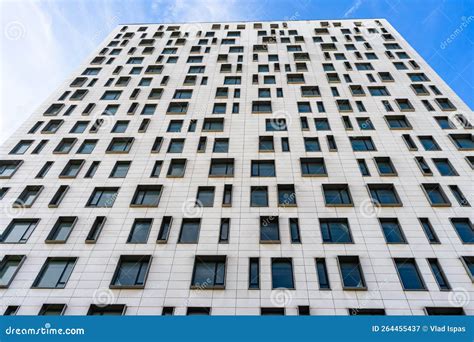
(9,267)
(392,231)
(463,142)
(140,231)
(435,195)
(92,169)
(44,169)
(275,125)
(384,195)
(21,147)
(366,312)
(209,272)
(65,145)
(322,124)
(62,229)
(429,230)
(397,122)
(337,195)
(175,126)
(423,165)
(312,144)
(282,273)
(213,125)
(269,229)
(445,168)
(79,127)
(259,196)
(120,169)
(175,146)
(120,145)
(313,167)
(190,229)
(263,168)
(457,193)
(96,229)
(102,197)
(72,168)
(409,142)
(9,167)
(385,166)
(131,271)
(28,196)
(107,310)
(286,195)
(111,95)
(272,311)
(362,144)
(147,196)
(265,144)
(254,273)
(52,310)
(335,231)
(438,274)
(444,311)
(177,108)
(87,146)
(322,272)
(120,126)
(409,274)
(378,91)
(198,311)
(11,310)
(351,273)
(222,167)
(261,107)
(463,227)
(364,169)
(445,104)
(19,230)
(468,263)
(55,273)
(176,168)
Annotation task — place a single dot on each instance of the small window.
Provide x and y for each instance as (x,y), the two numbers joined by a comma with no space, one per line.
(409,274)
(222,167)
(444,311)
(457,193)
(463,142)
(286,195)
(265,144)
(61,229)
(224,230)
(209,272)
(254,273)
(55,273)
(384,195)
(438,274)
(165,229)
(131,271)
(392,231)
(190,229)
(52,310)
(102,197)
(362,144)
(313,167)
(385,166)
(282,273)
(364,169)
(96,229)
(398,122)
(107,310)
(269,229)
(351,273)
(72,168)
(120,169)
(464,229)
(147,196)
(120,145)
(205,196)
(468,263)
(9,167)
(435,195)
(19,230)
(336,195)
(323,277)
(177,168)
(429,230)
(28,196)
(140,231)
(311,144)
(335,231)
(263,168)
(21,147)
(9,267)
(175,146)
(259,196)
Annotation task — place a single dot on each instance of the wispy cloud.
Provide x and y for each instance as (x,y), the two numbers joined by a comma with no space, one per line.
(355,6)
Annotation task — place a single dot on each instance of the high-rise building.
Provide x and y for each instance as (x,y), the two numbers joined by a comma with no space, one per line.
(242,168)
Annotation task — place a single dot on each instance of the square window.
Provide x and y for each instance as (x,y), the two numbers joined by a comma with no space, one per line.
(147,196)
(335,231)
(131,272)
(209,272)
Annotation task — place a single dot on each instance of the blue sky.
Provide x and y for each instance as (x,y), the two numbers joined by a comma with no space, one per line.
(42,42)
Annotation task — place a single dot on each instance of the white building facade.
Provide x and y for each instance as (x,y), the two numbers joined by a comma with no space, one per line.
(242,168)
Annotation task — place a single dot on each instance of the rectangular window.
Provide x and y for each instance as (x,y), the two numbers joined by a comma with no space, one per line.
(190,229)
(438,274)
(286,195)
(254,273)
(176,168)
(337,195)
(335,231)
(294,230)
(222,167)
(463,227)
(323,277)
(263,168)
(147,196)
(351,273)
(463,142)
(107,310)
(282,273)
(131,272)
(269,229)
(429,143)
(96,229)
(392,231)
(265,144)
(409,274)
(227,196)
(28,196)
(221,145)
(468,263)
(435,195)
(140,231)
(165,229)
(259,196)
(444,166)
(205,196)
(313,167)
(457,193)
(364,169)
(120,145)
(209,272)
(120,169)
(384,195)
(176,146)
(61,229)
(102,197)
(9,167)
(385,166)
(311,144)
(224,230)
(72,168)
(362,144)
(19,230)
(52,310)
(9,267)
(55,273)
